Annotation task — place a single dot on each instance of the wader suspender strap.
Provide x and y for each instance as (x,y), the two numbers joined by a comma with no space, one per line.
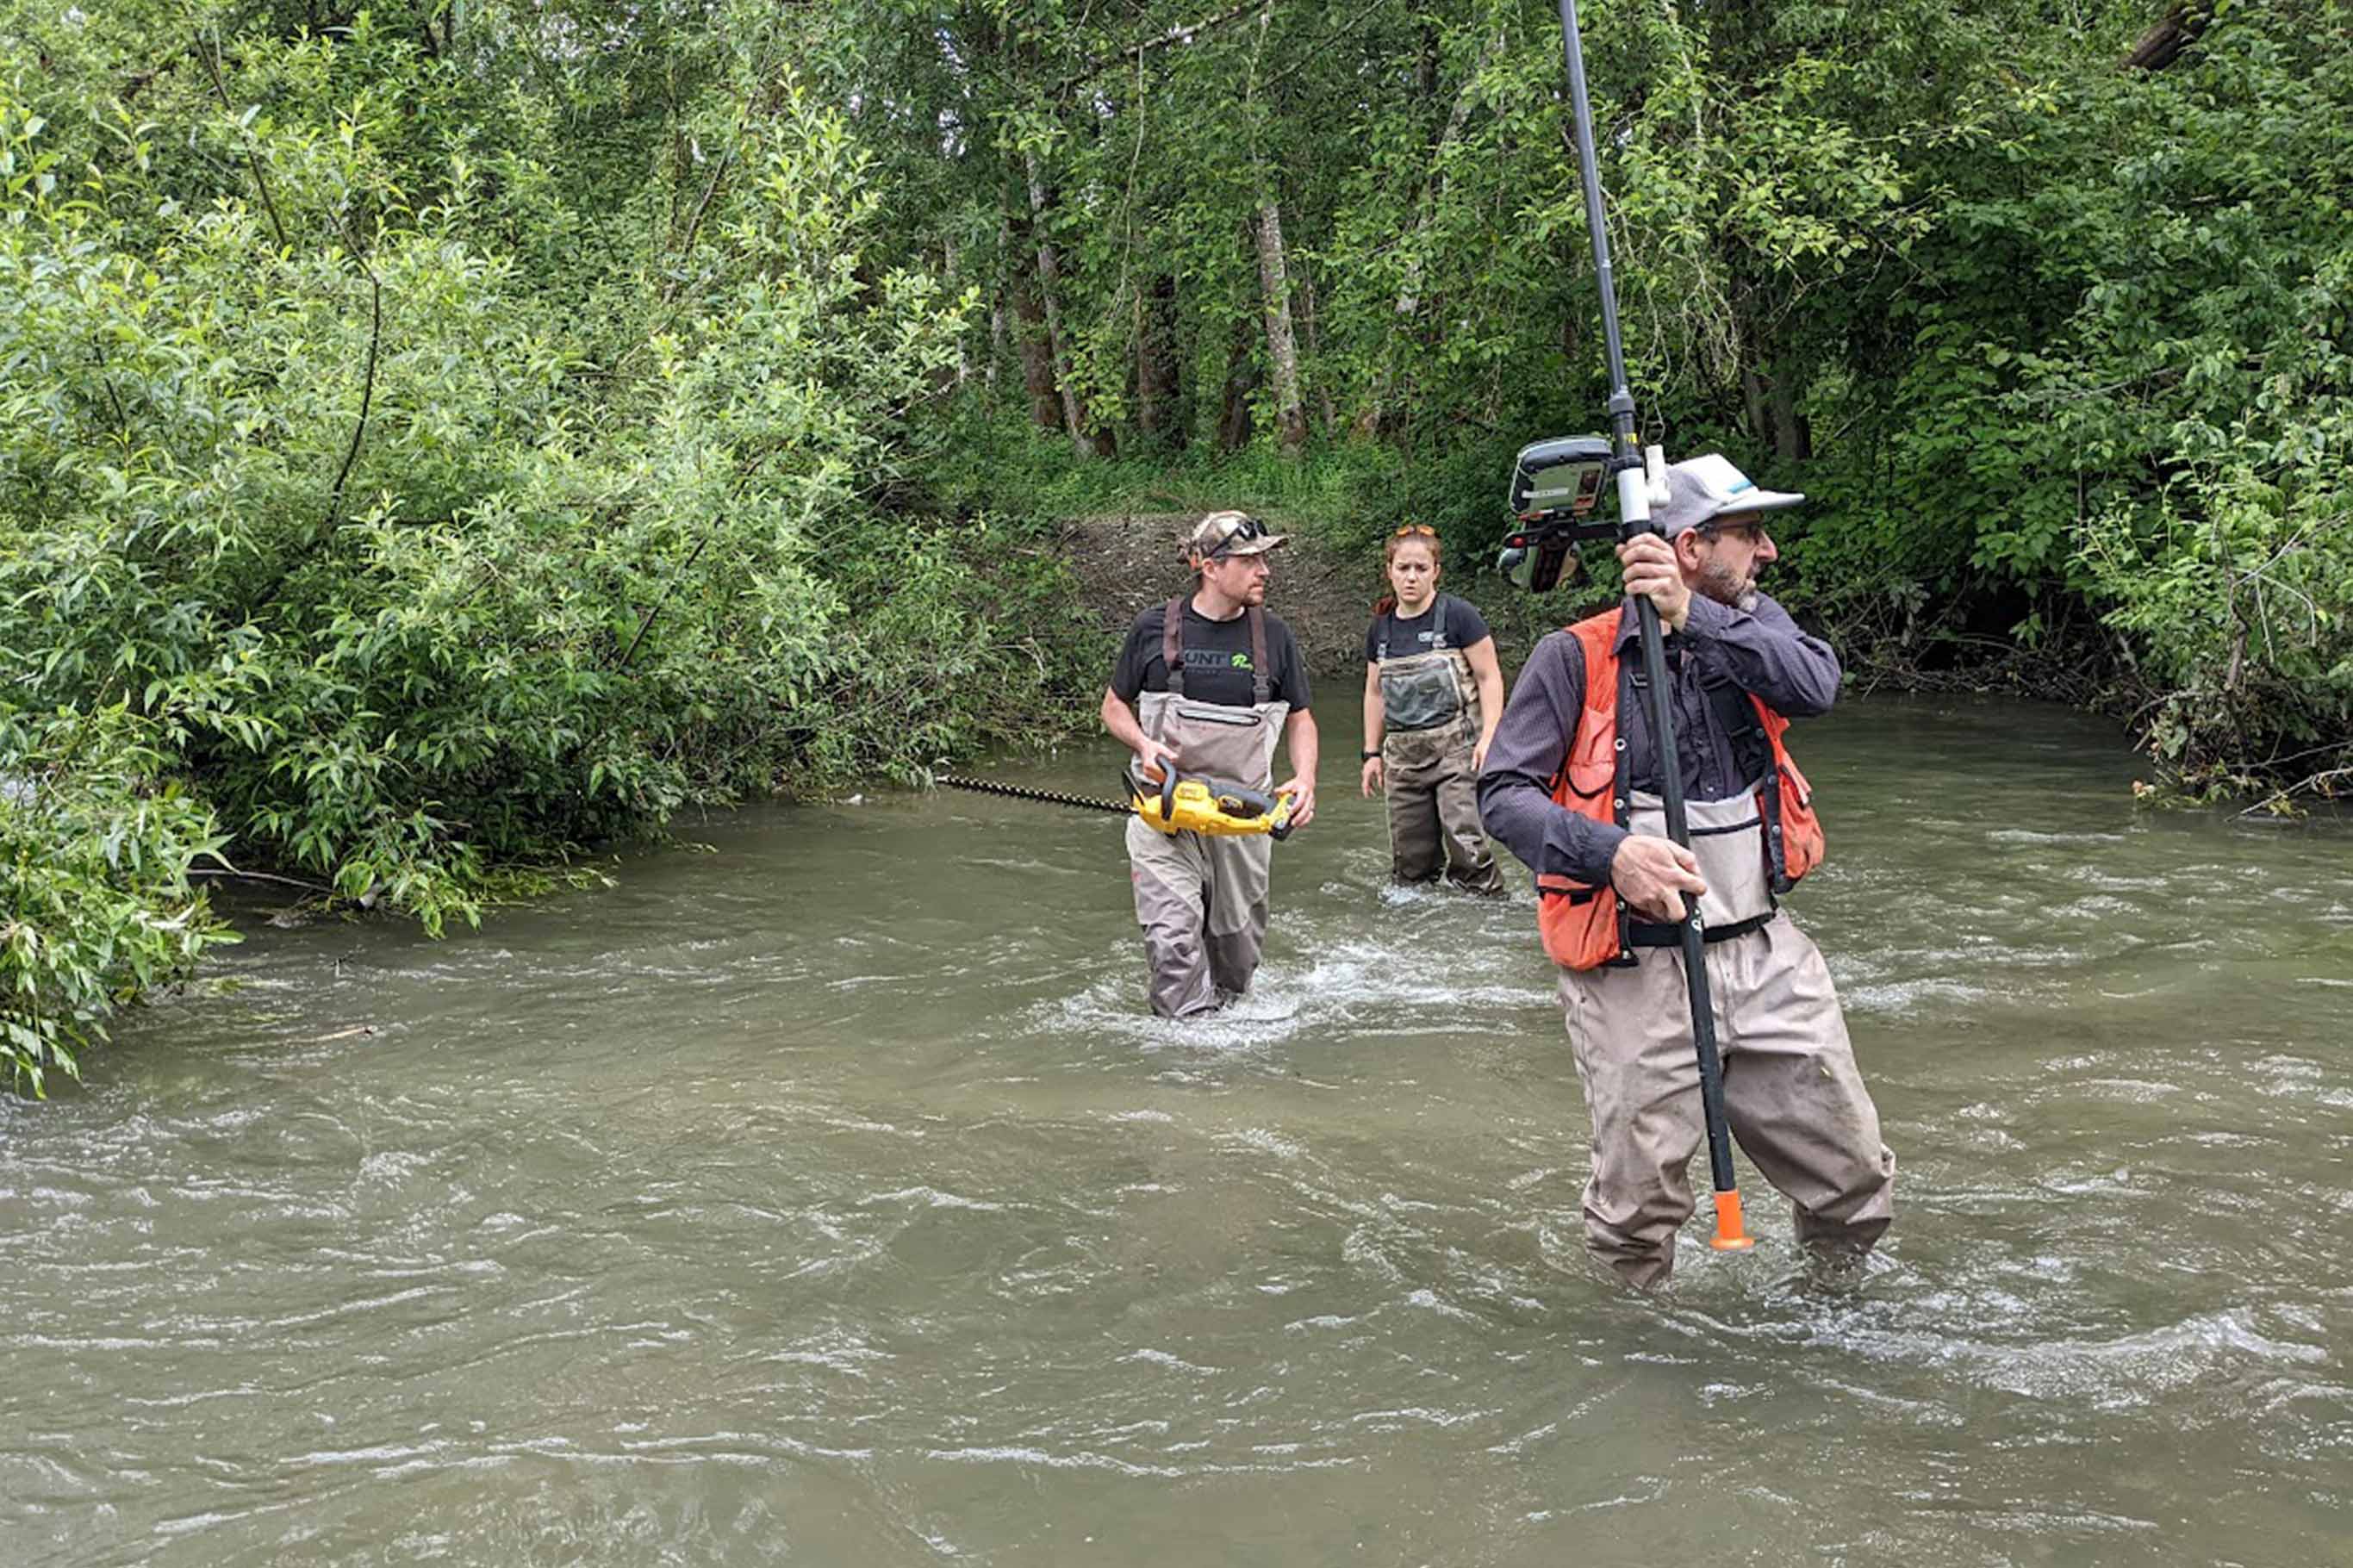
(1172,650)
(1752,757)
(1172,646)
(1389,622)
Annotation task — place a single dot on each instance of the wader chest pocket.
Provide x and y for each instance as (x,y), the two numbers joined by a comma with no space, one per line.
(1420,693)
(1233,718)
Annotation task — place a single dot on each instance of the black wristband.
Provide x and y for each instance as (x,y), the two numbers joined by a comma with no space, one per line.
(1368,756)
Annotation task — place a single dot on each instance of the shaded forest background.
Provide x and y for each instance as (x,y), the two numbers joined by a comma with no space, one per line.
(438,437)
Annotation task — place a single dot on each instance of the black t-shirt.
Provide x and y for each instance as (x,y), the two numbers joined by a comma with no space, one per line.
(1448,624)
(1217,660)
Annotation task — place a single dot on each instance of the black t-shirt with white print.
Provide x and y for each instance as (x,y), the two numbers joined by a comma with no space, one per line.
(1448,624)
(1218,667)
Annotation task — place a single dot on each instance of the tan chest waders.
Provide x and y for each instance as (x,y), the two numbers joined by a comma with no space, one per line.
(1793,1094)
(1201,900)
(1429,731)
(1727,837)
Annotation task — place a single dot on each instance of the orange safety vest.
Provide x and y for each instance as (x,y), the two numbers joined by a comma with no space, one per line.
(1584,926)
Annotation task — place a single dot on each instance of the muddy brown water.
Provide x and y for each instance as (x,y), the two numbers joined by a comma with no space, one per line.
(825,1195)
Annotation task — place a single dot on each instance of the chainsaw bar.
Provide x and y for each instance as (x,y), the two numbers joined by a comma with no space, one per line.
(1050,797)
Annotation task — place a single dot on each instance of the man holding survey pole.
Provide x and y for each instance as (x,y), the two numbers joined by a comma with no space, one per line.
(1573,785)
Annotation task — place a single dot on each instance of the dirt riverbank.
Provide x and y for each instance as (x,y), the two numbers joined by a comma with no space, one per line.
(1128,562)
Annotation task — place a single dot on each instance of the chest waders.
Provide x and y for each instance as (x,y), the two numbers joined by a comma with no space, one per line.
(1200,899)
(1793,1094)
(1430,720)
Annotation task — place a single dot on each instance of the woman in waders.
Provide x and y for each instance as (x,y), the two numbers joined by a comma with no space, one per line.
(1434,695)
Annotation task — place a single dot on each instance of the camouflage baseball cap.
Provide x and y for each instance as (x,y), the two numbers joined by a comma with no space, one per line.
(1223,534)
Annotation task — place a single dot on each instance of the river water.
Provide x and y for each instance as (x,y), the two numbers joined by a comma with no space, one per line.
(825,1194)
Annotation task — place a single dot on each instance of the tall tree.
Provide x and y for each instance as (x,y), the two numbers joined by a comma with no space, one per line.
(1084,439)
(1281,347)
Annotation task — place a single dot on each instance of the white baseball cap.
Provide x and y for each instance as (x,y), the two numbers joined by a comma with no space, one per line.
(1702,488)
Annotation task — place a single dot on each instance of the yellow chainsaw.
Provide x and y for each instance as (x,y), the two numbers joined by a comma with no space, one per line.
(1173,805)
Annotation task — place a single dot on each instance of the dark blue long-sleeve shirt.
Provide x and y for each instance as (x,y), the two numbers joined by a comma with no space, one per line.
(1759,650)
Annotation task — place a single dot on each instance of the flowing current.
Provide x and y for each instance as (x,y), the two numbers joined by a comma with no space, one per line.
(824,1193)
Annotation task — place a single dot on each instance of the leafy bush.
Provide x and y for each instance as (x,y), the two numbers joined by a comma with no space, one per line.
(397,570)
(95,901)
(2242,599)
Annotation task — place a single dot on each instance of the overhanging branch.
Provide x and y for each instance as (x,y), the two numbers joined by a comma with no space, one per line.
(1183,34)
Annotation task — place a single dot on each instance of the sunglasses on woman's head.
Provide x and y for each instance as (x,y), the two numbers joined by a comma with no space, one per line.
(1405,529)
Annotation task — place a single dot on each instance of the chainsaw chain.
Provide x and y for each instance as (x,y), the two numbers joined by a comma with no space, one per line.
(1017,791)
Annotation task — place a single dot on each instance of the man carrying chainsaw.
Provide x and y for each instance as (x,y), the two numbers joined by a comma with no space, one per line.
(1205,684)
(1572,787)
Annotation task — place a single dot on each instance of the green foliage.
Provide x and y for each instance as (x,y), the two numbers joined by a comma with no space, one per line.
(2125,390)
(435,439)
(2243,612)
(2013,310)
(1344,495)
(398,546)
(95,901)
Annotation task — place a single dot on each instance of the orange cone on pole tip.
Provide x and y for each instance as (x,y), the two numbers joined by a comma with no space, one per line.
(1729,1236)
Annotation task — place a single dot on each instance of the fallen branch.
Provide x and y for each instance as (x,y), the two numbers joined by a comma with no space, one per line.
(2183,22)
(2278,801)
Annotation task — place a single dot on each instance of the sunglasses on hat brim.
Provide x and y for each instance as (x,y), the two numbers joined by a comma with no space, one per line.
(1249,530)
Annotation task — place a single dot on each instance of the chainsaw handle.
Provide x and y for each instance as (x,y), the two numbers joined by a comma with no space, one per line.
(1234,809)
(1135,781)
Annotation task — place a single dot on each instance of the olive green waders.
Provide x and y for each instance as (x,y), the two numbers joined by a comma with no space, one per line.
(1430,730)
(1792,1093)
(1202,899)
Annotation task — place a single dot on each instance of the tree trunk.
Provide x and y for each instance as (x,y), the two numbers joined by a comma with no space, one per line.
(1410,289)
(1410,297)
(1315,348)
(1241,380)
(1029,336)
(2181,26)
(1157,387)
(1281,351)
(1753,400)
(1793,436)
(947,281)
(1075,417)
